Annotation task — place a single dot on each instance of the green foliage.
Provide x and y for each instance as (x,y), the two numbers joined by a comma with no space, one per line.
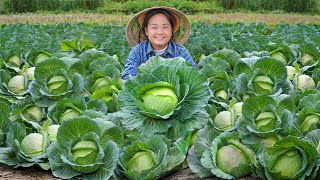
(21,6)
(284,5)
(186,6)
(49,5)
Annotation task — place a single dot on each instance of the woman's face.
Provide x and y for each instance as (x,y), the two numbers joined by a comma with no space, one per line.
(159,31)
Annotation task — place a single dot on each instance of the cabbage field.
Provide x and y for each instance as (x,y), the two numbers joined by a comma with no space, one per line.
(250,108)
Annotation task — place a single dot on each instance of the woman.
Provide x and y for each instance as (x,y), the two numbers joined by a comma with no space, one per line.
(158,30)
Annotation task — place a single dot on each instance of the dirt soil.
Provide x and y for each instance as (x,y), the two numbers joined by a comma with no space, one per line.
(36,173)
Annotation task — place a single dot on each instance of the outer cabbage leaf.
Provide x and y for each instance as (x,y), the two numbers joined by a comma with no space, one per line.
(90,55)
(5,122)
(311,100)
(314,138)
(229,55)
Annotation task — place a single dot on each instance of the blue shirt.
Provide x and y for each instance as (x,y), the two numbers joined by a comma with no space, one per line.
(141,52)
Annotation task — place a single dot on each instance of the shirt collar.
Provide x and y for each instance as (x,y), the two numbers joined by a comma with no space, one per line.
(149,47)
(170,48)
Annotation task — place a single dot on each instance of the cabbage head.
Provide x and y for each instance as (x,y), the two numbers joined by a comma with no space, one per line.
(309,114)
(305,82)
(17,84)
(55,80)
(282,53)
(224,120)
(70,108)
(289,158)
(260,76)
(166,95)
(24,148)
(86,148)
(25,110)
(217,71)
(14,61)
(264,117)
(150,158)
(104,81)
(33,145)
(13,87)
(221,155)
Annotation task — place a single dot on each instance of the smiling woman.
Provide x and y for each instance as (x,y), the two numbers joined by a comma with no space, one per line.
(156,31)
(159,30)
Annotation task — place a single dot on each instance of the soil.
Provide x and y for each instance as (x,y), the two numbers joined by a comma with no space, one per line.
(36,173)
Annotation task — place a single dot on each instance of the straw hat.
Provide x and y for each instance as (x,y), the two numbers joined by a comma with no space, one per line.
(181,30)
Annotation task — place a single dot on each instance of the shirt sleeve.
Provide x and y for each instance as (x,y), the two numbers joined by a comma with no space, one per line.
(186,55)
(130,68)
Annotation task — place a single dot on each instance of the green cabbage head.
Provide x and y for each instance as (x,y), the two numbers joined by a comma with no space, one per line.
(305,82)
(308,59)
(14,61)
(33,145)
(289,158)
(141,161)
(149,158)
(224,120)
(311,122)
(263,82)
(291,71)
(57,84)
(232,160)
(160,100)
(17,84)
(288,163)
(166,95)
(266,121)
(33,113)
(41,57)
(220,155)
(84,148)
(69,114)
(280,57)
(85,152)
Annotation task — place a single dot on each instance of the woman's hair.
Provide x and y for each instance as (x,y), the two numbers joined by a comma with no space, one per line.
(157,11)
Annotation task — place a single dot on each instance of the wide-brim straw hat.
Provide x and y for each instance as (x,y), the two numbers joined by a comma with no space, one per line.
(181,30)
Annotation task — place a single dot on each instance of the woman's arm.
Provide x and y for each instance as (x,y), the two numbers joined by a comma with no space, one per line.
(132,64)
(186,55)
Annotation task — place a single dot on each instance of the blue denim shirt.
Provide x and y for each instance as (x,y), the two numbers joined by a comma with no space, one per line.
(141,52)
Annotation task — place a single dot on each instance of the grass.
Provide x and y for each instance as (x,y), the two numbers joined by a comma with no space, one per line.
(96,18)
